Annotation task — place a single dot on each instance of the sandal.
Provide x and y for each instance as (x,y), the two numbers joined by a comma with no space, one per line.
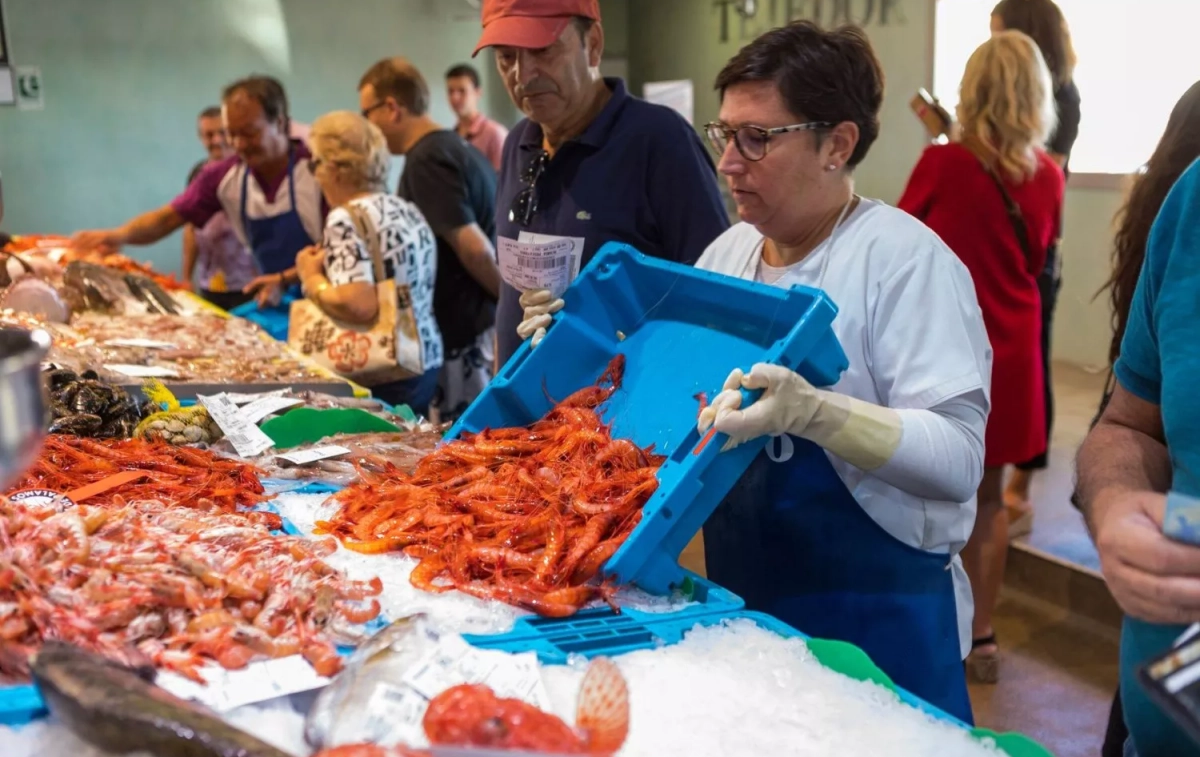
(983,666)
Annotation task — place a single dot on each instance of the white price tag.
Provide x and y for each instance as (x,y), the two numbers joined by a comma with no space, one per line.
(455,662)
(239,398)
(257,682)
(540,265)
(255,411)
(394,715)
(149,344)
(142,371)
(248,439)
(304,457)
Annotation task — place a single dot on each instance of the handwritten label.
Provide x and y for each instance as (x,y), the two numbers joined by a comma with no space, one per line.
(454,661)
(258,682)
(549,264)
(304,457)
(239,398)
(247,438)
(255,411)
(142,371)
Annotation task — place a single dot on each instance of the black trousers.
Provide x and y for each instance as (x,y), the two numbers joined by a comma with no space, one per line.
(1049,282)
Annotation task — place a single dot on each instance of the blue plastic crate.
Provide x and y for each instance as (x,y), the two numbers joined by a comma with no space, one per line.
(600,631)
(681,330)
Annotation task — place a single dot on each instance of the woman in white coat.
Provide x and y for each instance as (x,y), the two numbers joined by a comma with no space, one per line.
(851,527)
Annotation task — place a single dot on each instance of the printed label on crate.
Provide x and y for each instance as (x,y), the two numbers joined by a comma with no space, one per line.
(247,438)
(550,264)
(149,344)
(304,457)
(38,499)
(257,682)
(260,408)
(142,371)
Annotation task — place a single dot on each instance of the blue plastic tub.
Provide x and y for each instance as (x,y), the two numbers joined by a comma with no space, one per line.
(681,330)
(598,630)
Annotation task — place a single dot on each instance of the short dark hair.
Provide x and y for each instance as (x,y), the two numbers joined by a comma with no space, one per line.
(831,76)
(462,69)
(269,93)
(212,111)
(1043,21)
(583,25)
(398,79)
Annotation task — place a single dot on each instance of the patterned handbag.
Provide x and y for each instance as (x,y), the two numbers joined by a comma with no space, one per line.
(385,350)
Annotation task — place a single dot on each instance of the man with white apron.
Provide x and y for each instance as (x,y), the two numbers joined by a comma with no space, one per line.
(276,215)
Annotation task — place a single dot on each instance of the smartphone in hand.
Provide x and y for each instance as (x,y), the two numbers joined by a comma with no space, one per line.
(937,120)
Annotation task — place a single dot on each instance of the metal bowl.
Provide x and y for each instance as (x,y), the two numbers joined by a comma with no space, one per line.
(22,400)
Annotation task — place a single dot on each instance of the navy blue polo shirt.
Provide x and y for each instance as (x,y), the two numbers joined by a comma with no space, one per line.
(638,174)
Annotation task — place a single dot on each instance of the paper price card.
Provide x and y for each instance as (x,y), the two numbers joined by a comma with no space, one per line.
(540,265)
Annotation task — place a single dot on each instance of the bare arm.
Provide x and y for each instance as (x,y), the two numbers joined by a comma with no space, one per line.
(1124,453)
(353,303)
(150,227)
(190,252)
(478,256)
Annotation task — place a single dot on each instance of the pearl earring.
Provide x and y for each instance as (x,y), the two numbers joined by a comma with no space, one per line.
(831,167)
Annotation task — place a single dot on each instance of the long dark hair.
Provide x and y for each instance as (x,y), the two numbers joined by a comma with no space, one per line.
(1178,148)
(1044,21)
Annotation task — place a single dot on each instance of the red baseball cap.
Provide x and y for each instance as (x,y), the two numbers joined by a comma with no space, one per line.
(531,24)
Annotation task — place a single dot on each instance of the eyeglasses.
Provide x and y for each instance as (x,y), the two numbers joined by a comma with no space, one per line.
(366,112)
(752,141)
(525,203)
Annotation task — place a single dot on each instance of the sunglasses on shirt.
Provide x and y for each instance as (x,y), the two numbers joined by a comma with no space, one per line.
(525,204)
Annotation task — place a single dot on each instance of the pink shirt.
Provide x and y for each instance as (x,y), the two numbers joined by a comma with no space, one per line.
(487,136)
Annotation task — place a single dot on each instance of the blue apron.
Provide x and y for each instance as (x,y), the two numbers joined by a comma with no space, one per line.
(275,242)
(794,543)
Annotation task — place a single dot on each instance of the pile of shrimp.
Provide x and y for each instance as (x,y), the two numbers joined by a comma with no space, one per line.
(179,475)
(525,515)
(146,583)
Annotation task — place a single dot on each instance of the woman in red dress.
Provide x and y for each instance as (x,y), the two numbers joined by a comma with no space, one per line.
(996,199)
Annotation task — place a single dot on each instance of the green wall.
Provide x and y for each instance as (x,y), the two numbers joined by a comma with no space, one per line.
(124,80)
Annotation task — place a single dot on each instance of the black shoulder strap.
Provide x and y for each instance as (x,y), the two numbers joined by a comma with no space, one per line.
(1014,215)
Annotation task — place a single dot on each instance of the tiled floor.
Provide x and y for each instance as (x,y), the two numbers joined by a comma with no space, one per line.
(1058,527)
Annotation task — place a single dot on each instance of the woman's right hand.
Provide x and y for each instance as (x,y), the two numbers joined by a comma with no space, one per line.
(310,262)
(539,305)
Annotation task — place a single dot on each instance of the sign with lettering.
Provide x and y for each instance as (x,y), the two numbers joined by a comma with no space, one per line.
(742,21)
(29,88)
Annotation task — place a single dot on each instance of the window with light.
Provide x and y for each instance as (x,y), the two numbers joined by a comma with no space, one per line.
(1136,59)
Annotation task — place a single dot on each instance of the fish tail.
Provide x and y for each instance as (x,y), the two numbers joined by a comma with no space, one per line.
(603,712)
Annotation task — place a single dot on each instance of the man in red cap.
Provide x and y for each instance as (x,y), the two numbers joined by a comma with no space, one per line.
(589,164)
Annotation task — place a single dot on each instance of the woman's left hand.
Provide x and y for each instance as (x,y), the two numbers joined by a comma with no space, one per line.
(310,262)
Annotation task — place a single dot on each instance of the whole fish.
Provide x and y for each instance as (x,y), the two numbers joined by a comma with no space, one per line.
(120,710)
(472,716)
(341,712)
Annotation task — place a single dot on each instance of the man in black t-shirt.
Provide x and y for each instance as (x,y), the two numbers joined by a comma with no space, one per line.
(455,188)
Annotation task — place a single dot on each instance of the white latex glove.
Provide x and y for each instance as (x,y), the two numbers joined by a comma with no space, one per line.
(861,433)
(539,306)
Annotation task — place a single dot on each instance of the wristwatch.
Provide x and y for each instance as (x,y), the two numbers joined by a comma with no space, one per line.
(315,293)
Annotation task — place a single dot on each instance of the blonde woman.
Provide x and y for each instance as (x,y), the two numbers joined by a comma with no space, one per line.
(995,197)
(350,162)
